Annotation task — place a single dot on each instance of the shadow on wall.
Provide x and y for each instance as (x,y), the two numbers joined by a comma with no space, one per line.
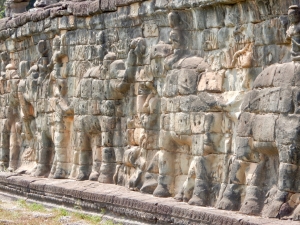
(30,5)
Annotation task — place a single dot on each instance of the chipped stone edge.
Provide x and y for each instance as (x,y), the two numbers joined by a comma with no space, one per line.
(93,197)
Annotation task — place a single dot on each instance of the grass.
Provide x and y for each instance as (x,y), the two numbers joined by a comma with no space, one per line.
(35,207)
(90,218)
(24,214)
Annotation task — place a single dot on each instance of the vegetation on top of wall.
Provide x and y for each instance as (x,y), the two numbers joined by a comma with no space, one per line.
(2,9)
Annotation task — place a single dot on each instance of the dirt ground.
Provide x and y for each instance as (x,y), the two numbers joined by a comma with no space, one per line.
(21,212)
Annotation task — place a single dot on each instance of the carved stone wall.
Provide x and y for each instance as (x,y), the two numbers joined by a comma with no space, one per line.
(197,100)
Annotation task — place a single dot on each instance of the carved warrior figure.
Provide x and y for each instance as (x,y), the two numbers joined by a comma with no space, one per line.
(44,3)
(26,113)
(13,7)
(56,62)
(293,33)
(10,148)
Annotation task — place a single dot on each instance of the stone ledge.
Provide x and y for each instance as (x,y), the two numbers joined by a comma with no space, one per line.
(93,196)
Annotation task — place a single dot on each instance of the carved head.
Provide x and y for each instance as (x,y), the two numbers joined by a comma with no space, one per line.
(176,39)
(56,43)
(294,14)
(42,47)
(174,19)
(11,71)
(4,56)
(139,46)
(100,38)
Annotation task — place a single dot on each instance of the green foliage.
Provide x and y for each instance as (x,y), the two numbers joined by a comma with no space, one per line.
(2,9)
(62,212)
(36,207)
(21,202)
(91,218)
(32,206)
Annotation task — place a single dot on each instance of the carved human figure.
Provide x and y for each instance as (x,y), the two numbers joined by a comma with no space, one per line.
(36,93)
(176,39)
(56,62)
(13,7)
(26,113)
(44,3)
(10,146)
(63,116)
(43,60)
(293,32)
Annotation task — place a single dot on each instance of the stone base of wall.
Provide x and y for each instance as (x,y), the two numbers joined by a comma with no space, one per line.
(121,202)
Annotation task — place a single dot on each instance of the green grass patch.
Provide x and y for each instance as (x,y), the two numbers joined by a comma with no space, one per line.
(90,218)
(31,206)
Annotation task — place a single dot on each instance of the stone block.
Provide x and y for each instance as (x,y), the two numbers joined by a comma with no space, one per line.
(244,149)
(187,81)
(197,122)
(287,129)
(202,102)
(107,123)
(264,127)
(108,5)
(97,89)
(171,84)
(286,178)
(173,104)
(182,123)
(284,75)
(265,78)
(107,138)
(244,128)
(211,82)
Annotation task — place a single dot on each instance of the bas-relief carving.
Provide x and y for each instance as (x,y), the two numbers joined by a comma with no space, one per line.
(158,118)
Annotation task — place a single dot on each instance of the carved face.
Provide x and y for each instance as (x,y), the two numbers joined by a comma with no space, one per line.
(176,39)
(4,56)
(41,46)
(294,16)
(174,19)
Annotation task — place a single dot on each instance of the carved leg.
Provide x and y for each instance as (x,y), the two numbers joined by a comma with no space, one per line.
(188,186)
(43,155)
(165,178)
(201,189)
(254,198)
(61,163)
(14,150)
(85,156)
(4,145)
(108,166)
(61,139)
(84,165)
(96,149)
(4,152)
(150,182)
(230,198)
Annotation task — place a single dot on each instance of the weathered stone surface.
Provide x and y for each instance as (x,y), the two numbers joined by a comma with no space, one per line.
(197,100)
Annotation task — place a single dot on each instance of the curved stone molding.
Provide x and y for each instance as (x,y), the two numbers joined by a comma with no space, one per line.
(194,100)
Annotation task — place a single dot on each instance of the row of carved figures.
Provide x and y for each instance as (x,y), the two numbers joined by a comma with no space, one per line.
(187,153)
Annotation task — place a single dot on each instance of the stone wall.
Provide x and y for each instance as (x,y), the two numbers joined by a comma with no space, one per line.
(197,100)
